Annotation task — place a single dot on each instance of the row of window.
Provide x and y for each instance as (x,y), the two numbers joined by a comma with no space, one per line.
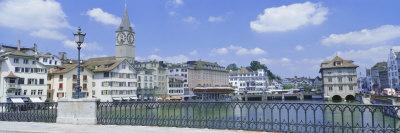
(50,61)
(30,70)
(340,79)
(330,88)
(30,81)
(25,61)
(175,91)
(118,75)
(33,92)
(117,84)
(177,70)
(248,78)
(117,92)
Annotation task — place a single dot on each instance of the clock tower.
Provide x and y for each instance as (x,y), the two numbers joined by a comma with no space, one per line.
(125,39)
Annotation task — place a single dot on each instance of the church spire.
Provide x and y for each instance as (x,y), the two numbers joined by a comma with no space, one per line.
(125,23)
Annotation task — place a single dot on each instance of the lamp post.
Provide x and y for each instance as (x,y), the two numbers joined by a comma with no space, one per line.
(79,38)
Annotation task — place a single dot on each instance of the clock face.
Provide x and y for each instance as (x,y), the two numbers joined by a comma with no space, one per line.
(121,38)
(131,38)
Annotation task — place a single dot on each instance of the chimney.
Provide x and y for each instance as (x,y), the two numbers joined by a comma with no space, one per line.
(62,55)
(35,48)
(19,45)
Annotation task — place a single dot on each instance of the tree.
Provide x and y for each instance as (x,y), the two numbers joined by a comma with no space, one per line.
(255,65)
(232,67)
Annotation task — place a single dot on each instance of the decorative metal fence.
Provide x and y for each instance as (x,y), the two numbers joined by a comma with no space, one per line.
(28,112)
(258,116)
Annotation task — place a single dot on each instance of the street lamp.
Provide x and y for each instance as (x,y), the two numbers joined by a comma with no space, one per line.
(79,38)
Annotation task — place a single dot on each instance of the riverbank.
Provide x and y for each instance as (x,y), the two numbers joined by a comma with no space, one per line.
(37,127)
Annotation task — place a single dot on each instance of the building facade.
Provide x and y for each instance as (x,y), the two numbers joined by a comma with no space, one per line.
(22,77)
(339,79)
(63,79)
(393,64)
(153,79)
(209,81)
(114,79)
(378,76)
(246,80)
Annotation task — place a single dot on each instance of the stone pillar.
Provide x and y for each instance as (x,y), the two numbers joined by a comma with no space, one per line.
(77,111)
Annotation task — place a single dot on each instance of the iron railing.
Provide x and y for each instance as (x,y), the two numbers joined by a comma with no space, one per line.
(258,116)
(28,112)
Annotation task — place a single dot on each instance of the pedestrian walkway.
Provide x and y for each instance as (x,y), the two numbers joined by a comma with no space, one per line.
(36,127)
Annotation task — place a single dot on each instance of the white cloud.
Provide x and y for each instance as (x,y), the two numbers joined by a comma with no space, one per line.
(35,16)
(238,50)
(289,17)
(220,51)
(366,57)
(194,52)
(377,36)
(298,48)
(89,46)
(103,17)
(172,13)
(190,19)
(175,3)
(48,34)
(216,19)
(170,59)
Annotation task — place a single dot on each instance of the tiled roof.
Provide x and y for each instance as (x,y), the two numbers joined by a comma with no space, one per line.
(11,75)
(331,63)
(63,69)
(102,64)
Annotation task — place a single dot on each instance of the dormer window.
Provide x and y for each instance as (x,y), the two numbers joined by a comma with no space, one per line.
(337,63)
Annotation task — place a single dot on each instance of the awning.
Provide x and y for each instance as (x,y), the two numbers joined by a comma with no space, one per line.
(36,100)
(133,98)
(17,100)
(126,98)
(117,98)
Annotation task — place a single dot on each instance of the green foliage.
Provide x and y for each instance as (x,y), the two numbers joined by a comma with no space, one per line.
(232,67)
(288,86)
(255,65)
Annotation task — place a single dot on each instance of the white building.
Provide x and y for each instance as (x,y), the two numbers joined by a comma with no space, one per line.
(339,78)
(48,59)
(22,77)
(178,88)
(114,79)
(393,64)
(246,80)
(153,79)
(63,79)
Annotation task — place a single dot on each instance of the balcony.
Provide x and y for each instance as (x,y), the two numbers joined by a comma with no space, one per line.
(13,85)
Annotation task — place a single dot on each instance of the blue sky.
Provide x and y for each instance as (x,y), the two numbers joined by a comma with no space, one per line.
(291,37)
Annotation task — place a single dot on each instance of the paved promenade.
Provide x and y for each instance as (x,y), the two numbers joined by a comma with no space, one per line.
(33,127)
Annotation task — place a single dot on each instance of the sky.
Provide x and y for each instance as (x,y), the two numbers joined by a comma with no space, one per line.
(291,37)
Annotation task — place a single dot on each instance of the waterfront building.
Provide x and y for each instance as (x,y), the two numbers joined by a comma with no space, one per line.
(145,88)
(22,77)
(339,78)
(152,77)
(393,64)
(178,88)
(317,85)
(63,79)
(378,76)
(114,79)
(209,81)
(246,80)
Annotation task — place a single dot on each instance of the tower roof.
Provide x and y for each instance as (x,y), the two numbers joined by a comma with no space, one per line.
(125,23)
